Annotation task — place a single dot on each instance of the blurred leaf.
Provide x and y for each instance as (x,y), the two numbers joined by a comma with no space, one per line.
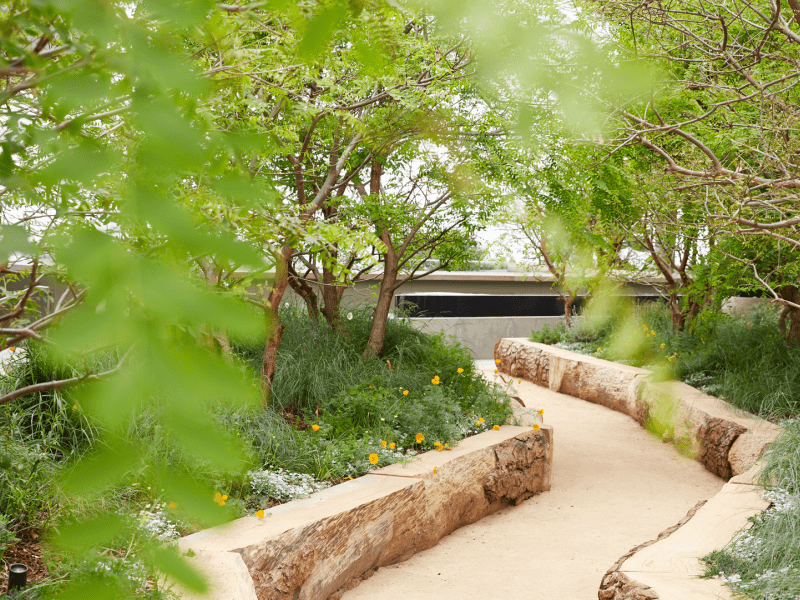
(190,497)
(102,468)
(90,533)
(320,30)
(82,164)
(170,563)
(13,240)
(97,589)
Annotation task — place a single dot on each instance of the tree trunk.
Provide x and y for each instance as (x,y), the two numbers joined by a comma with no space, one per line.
(306,292)
(332,298)
(274,328)
(678,320)
(214,335)
(789,319)
(380,315)
(569,302)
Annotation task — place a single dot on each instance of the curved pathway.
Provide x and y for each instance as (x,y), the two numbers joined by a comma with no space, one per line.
(614,486)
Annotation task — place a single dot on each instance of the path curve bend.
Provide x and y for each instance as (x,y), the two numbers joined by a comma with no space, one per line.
(614,485)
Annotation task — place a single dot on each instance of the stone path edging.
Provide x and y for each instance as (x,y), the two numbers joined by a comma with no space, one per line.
(318,547)
(726,441)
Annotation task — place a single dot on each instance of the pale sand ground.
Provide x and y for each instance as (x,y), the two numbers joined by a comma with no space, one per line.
(614,486)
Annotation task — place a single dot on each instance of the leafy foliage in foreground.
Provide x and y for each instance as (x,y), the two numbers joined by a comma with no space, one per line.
(323,381)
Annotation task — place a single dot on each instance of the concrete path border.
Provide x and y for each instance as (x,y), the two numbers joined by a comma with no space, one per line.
(318,547)
(728,442)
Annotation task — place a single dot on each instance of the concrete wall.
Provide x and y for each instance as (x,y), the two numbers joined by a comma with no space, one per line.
(500,282)
(480,334)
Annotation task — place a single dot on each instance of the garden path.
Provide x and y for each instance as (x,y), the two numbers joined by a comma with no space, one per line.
(614,486)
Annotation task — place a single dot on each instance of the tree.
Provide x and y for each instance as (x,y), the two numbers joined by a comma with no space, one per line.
(725,119)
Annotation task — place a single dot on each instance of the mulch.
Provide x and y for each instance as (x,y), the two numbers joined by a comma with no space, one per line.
(28,552)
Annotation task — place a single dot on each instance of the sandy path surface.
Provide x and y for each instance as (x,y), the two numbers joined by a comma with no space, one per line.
(614,486)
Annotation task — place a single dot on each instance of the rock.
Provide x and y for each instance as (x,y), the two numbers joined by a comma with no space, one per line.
(335,539)
(725,440)
(523,469)
(617,586)
(718,436)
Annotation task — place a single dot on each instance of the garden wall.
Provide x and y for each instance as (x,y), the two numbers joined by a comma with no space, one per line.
(727,441)
(317,548)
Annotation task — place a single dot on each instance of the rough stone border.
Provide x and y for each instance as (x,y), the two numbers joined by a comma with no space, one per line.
(319,547)
(727,442)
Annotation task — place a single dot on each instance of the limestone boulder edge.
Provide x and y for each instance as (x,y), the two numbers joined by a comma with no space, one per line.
(319,547)
(727,441)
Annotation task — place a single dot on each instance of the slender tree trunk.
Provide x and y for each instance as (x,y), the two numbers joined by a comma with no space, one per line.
(789,319)
(332,298)
(569,302)
(274,327)
(678,318)
(215,335)
(306,292)
(380,315)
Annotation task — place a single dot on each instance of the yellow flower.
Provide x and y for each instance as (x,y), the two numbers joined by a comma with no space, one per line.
(315,427)
(496,427)
(434,470)
(497,361)
(460,370)
(648,335)
(405,392)
(383,443)
(541,412)
(536,427)
(652,333)
(438,446)
(447,446)
(519,381)
(373,459)
(173,505)
(420,438)
(435,380)
(220,499)
(599,349)
(74,407)
(481,420)
(495,371)
(391,446)
(661,346)
(645,327)
(260,514)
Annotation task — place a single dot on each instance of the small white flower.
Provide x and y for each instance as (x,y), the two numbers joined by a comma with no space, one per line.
(349,316)
(391,316)
(286,304)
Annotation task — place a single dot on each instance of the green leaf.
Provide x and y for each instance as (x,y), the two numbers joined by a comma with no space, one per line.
(96,589)
(90,533)
(171,564)
(14,240)
(320,30)
(102,469)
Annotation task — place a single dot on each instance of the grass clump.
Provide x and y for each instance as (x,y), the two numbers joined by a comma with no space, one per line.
(333,415)
(331,408)
(741,359)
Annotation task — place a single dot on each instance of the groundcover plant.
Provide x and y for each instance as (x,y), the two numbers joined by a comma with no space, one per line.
(329,420)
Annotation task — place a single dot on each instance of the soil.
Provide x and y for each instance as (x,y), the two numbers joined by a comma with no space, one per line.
(28,552)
